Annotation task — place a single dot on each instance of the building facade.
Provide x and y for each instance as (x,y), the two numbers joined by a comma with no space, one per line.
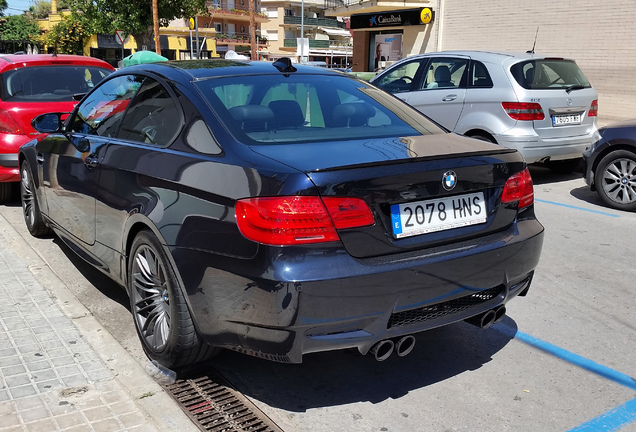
(329,39)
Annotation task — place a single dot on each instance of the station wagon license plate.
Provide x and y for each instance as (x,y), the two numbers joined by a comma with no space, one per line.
(427,216)
(566,119)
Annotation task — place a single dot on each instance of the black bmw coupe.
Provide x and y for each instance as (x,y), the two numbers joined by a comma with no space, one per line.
(279,210)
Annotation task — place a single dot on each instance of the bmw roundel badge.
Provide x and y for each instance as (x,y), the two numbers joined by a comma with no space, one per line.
(449,180)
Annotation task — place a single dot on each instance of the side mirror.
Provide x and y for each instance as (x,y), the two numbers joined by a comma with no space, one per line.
(48,123)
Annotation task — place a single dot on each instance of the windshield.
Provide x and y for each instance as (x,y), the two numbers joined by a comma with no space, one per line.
(49,83)
(302,108)
(548,74)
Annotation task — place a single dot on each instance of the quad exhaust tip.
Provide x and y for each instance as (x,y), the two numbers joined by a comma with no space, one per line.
(488,318)
(385,348)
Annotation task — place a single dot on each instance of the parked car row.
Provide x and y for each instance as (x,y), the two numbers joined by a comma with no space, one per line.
(279,209)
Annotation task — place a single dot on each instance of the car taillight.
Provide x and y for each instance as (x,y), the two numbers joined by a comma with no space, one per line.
(292,220)
(593,112)
(519,188)
(8,123)
(523,110)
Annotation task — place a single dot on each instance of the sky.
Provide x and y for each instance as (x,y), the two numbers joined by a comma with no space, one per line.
(17,6)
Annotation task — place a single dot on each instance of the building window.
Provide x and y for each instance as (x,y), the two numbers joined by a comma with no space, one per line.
(289,12)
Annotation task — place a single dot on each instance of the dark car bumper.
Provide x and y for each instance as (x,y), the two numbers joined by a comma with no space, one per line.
(293,309)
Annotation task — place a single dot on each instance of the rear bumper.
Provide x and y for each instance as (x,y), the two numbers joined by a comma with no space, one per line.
(536,149)
(9,146)
(9,171)
(341,302)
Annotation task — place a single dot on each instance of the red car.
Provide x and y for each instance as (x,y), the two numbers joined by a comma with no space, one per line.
(31,85)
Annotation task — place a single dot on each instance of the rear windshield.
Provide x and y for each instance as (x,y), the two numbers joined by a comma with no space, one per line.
(548,74)
(302,107)
(49,83)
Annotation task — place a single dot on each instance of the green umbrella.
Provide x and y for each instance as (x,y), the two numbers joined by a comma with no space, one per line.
(142,57)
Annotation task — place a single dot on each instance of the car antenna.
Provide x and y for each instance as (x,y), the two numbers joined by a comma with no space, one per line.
(535,42)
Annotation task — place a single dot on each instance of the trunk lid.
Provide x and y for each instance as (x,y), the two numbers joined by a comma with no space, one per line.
(389,172)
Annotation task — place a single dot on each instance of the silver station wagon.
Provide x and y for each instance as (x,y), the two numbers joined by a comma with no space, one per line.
(544,107)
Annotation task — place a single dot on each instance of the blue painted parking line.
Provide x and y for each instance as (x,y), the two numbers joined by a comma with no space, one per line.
(613,419)
(576,208)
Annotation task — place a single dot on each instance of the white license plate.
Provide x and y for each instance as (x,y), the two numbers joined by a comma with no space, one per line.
(567,119)
(423,217)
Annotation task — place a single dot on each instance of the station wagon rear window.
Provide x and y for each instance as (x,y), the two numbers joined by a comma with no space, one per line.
(549,73)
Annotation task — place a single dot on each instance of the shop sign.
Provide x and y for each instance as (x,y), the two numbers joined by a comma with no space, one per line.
(398,18)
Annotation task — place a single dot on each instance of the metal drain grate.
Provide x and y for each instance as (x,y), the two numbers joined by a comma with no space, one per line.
(214,406)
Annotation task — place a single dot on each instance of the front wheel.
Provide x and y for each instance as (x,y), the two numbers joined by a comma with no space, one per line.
(161,315)
(615,180)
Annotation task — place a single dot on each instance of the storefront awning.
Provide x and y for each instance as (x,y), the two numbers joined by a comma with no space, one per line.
(335,32)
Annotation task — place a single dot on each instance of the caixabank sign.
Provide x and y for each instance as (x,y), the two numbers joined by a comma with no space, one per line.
(398,18)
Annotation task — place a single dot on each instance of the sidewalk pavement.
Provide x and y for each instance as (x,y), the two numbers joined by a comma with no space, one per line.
(60,370)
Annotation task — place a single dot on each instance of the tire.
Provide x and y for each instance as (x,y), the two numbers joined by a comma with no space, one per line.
(565,166)
(615,180)
(162,319)
(7,190)
(30,207)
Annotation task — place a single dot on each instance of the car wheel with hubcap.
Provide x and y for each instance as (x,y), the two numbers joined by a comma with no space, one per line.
(161,315)
(615,180)
(30,207)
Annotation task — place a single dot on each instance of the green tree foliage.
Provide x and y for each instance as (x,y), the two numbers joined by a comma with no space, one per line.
(42,8)
(3,6)
(69,35)
(20,28)
(135,16)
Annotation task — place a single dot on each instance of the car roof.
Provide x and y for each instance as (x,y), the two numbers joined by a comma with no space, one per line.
(12,61)
(494,56)
(210,68)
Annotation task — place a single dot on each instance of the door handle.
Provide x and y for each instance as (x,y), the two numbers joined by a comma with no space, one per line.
(91,161)
(450,97)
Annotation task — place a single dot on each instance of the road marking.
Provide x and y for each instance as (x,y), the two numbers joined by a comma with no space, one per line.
(577,208)
(611,420)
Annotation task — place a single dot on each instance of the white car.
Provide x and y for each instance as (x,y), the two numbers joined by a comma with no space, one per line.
(544,107)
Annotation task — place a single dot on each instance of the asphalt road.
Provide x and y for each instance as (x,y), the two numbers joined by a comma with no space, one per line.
(560,361)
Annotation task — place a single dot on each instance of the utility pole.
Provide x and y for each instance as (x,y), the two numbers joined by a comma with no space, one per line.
(155,21)
(253,30)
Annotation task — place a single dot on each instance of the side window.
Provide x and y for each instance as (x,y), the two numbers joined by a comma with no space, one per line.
(400,79)
(102,112)
(153,117)
(479,76)
(445,73)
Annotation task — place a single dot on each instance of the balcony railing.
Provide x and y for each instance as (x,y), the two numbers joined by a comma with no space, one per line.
(322,22)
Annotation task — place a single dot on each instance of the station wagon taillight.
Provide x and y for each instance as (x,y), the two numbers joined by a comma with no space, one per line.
(523,110)
(519,188)
(593,112)
(293,220)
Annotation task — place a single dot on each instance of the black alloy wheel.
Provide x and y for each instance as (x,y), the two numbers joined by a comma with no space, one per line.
(615,180)
(30,207)
(162,318)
